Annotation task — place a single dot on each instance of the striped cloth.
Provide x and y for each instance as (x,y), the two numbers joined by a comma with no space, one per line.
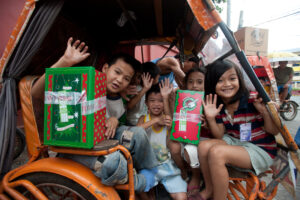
(246,113)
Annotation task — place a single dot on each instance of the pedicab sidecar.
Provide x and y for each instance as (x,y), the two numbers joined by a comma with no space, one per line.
(108,27)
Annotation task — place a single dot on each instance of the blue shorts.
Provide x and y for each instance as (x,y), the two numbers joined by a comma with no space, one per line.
(280,88)
(170,176)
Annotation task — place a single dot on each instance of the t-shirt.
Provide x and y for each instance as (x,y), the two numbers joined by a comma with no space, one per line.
(247,113)
(158,140)
(283,75)
(137,111)
(170,75)
(115,108)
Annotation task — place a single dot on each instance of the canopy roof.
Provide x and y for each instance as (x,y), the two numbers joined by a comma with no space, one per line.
(105,25)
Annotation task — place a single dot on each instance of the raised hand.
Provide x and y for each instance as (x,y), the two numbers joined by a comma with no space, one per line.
(147,81)
(210,107)
(165,88)
(75,52)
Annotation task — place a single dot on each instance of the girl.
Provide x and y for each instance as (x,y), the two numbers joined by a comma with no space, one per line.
(248,143)
(187,154)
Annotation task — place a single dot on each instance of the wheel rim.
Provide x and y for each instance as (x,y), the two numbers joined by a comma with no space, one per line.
(290,111)
(56,192)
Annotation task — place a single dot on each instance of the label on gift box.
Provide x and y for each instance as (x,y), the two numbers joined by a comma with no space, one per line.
(186,124)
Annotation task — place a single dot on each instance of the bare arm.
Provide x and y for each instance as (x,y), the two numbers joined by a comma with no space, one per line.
(148,124)
(211,111)
(74,54)
(269,125)
(170,64)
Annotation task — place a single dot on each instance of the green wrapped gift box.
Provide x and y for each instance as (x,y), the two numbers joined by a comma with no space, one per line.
(75,100)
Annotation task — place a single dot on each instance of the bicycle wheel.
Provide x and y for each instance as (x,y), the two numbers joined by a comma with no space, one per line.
(19,143)
(55,187)
(289,111)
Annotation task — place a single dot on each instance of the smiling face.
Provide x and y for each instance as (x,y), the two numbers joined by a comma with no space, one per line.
(118,76)
(228,85)
(195,81)
(155,104)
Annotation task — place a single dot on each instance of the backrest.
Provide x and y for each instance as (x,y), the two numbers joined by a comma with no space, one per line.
(33,138)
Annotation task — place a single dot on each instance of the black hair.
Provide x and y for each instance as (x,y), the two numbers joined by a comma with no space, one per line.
(134,63)
(154,89)
(215,70)
(192,70)
(151,68)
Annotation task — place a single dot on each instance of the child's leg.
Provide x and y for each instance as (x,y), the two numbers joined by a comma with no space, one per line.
(136,141)
(220,155)
(203,151)
(172,181)
(191,157)
(179,196)
(175,150)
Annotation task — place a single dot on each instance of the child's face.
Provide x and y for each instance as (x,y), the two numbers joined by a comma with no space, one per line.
(195,81)
(155,103)
(228,85)
(118,76)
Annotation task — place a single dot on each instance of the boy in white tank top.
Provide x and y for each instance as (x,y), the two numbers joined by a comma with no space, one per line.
(157,126)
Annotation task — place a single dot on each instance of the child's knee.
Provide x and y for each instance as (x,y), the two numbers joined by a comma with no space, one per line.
(203,147)
(216,154)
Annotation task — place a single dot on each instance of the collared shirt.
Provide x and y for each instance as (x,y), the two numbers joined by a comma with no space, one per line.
(247,113)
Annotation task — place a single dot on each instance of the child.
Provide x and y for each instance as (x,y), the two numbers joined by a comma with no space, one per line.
(194,80)
(119,71)
(136,106)
(157,126)
(245,126)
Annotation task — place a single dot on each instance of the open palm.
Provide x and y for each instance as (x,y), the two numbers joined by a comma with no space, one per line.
(210,106)
(76,52)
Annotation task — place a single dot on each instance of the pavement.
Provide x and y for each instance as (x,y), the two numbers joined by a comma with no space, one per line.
(282,193)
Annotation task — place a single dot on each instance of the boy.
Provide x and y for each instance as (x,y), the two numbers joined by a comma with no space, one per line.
(136,105)
(157,126)
(119,71)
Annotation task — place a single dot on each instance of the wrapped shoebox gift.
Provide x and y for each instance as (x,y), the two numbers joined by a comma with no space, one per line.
(75,107)
(186,120)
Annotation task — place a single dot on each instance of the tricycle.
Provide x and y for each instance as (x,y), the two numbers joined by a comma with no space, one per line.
(108,27)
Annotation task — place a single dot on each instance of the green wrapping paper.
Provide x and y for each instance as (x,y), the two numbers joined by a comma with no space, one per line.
(75,100)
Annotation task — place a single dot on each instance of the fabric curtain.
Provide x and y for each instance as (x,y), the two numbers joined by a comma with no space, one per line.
(43,17)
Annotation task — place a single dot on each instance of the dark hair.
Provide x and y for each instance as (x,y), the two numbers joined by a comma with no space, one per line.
(151,68)
(154,89)
(192,70)
(134,63)
(215,70)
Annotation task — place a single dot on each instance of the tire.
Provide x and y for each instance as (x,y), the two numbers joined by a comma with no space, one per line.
(289,111)
(19,143)
(55,187)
